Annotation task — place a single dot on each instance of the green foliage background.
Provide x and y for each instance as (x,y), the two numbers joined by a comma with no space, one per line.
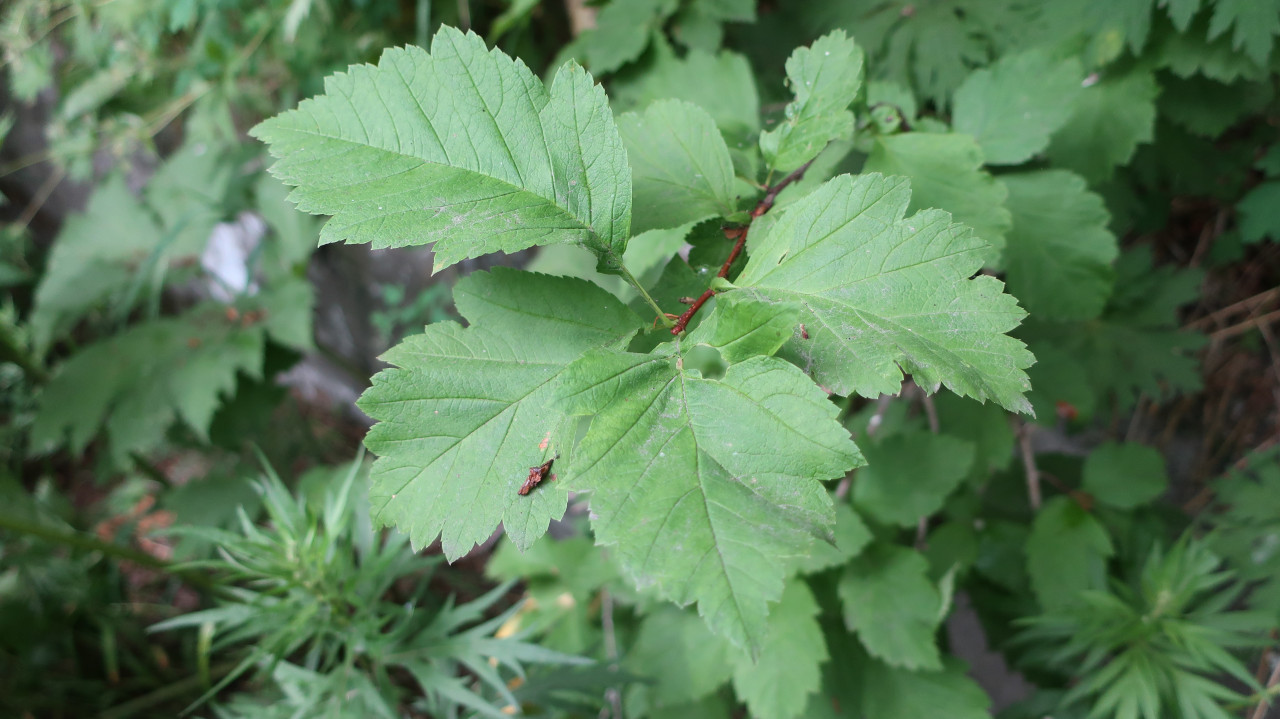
(835,322)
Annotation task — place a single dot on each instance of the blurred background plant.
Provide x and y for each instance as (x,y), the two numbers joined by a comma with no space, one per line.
(167,316)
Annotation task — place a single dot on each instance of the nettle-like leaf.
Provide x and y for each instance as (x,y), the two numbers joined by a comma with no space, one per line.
(134,385)
(946,173)
(708,488)
(1059,252)
(462,147)
(825,78)
(681,171)
(1013,106)
(466,412)
(881,294)
(121,249)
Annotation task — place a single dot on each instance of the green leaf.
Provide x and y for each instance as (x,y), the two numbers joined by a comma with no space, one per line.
(929,46)
(1112,117)
(1013,106)
(1256,24)
(1259,213)
(140,381)
(465,413)
(707,488)
(985,426)
(892,693)
(778,686)
(1137,346)
(851,536)
(1125,476)
(462,147)
(741,328)
(721,84)
(686,662)
(622,32)
(946,173)
(825,79)
(1059,253)
(890,602)
(909,476)
(681,171)
(1066,553)
(882,295)
(120,250)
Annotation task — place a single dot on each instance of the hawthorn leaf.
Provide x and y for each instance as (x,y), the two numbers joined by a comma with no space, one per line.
(851,536)
(464,413)
(708,489)
(741,327)
(825,79)
(137,383)
(1066,553)
(909,476)
(462,147)
(778,686)
(946,172)
(720,83)
(681,171)
(686,661)
(1060,250)
(1125,476)
(1012,107)
(891,604)
(1111,118)
(882,294)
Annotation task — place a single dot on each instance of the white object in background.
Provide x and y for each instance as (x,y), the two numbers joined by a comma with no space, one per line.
(226,256)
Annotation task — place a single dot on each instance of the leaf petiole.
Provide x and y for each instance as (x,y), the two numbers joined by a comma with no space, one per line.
(666,319)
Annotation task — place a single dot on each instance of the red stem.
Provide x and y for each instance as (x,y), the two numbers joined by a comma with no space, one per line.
(764,205)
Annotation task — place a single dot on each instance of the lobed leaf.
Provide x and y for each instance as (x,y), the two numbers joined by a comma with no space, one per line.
(465,413)
(825,78)
(894,608)
(946,173)
(881,294)
(778,686)
(707,488)
(462,147)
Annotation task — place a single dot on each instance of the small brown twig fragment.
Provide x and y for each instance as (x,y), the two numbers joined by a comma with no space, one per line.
(764,205)
(536,475)
(1029,464)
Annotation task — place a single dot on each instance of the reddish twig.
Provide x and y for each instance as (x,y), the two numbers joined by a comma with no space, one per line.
(739,235)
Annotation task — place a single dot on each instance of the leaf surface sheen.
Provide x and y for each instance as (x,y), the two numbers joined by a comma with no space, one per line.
(465,413)
(882,294)
(463,147)
(681,171)
(707,488)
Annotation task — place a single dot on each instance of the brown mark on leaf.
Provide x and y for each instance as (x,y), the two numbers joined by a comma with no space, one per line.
(536,475)
(804,333)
